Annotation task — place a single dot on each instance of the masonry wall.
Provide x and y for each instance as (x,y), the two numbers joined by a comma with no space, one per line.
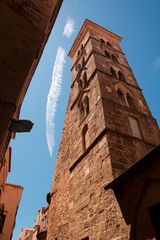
(93,212)
(58,218)
(24,30)
(80,208)
(125,149)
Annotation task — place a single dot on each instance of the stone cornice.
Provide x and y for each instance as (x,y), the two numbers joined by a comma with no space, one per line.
(97,139)
(89,25)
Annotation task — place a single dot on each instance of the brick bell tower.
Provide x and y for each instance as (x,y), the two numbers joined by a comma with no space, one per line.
(108,127)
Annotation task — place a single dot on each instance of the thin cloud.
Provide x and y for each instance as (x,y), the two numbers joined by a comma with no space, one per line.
(53,96)
(156,64)
(69,27)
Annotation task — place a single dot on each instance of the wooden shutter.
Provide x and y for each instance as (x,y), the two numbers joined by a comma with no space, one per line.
(135,127)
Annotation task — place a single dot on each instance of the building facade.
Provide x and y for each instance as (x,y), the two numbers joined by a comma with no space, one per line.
(26,234)
(108,128)
(24,29)
(41,225)
(39,231)
(9,199)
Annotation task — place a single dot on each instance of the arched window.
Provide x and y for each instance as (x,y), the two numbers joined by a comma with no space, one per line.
(86,106)
(78,66)
(107,54)
(85,138)
(83,61)
(121,76)
(130,101)
(102,41)
(135,129)
(84,80)
(108,43)
(81,111)
(80,85)
(121,98)
(113,72)
(83,50)
(78,53)
(114,58)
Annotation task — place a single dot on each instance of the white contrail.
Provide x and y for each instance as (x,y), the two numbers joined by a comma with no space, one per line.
(156,64)
(69,27)
(53,95)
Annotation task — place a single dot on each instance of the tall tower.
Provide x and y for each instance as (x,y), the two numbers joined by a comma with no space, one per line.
(108,127)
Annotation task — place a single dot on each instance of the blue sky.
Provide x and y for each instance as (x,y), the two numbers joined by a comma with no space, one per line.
(137,22)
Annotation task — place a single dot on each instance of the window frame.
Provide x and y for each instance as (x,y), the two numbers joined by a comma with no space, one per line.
(84,133)
(132,129)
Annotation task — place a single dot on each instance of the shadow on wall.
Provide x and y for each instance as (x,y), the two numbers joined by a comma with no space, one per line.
(138,195)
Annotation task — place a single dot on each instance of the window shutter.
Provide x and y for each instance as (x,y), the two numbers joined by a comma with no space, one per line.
(135,127)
